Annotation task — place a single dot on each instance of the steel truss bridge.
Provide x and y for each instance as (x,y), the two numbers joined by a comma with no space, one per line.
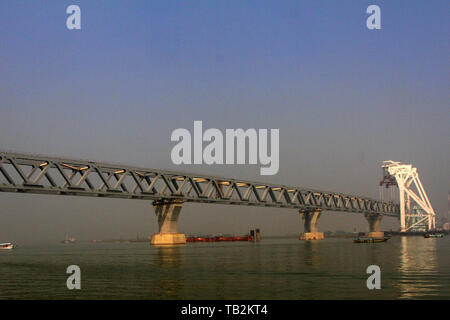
(22,173)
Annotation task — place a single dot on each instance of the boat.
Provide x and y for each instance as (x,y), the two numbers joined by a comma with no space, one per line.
(433,235)
(6,246)
(68,239)
(370,240)
(219,238)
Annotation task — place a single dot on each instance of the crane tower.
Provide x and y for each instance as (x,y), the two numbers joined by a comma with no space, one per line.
(416,212)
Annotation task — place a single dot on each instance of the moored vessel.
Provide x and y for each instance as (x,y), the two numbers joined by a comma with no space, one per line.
(370,240)
(219,238)
(68,239)
(433,235)
(6,246)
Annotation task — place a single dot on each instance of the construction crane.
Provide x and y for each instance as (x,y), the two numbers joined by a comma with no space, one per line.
(416,212)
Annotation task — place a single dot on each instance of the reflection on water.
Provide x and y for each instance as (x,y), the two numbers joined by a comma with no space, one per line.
(286,268)
(418,267)
(312,253)
(168,263)
(168,257)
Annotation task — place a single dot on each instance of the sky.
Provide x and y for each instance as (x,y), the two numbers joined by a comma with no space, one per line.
(344,98)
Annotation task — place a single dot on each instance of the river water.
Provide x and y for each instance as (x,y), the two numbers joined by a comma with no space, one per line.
(277,268)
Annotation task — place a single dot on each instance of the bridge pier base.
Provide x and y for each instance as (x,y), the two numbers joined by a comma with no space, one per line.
(374,225)
(167,212)
(310,218)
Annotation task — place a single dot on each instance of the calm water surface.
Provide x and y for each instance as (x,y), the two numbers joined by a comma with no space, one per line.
(411,267)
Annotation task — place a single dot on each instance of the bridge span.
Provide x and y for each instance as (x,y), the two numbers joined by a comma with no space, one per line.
(26,173)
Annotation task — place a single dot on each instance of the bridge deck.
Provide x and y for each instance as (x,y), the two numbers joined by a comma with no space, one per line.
(49,175)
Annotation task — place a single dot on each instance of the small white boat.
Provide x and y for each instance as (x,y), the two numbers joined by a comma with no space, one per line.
(68,239)
(6,246)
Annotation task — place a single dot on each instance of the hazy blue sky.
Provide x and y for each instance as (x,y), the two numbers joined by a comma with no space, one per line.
(345,98)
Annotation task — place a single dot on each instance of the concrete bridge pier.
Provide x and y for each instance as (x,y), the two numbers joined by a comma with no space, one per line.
(374,225)
(167,212)
(310,218)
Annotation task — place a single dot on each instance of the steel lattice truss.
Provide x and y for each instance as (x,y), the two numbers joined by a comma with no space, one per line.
(46,175)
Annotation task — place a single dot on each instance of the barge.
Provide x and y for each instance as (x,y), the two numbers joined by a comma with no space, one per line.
(370,240)
(219,238)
